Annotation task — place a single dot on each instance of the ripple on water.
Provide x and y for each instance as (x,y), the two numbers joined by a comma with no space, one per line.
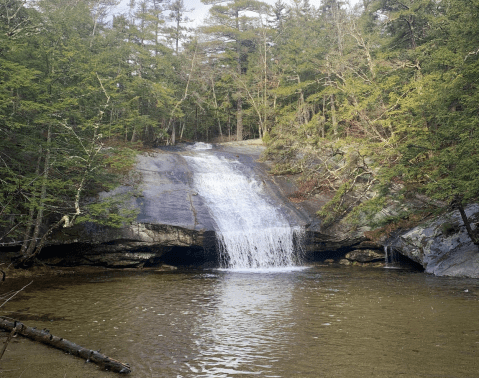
(311,322)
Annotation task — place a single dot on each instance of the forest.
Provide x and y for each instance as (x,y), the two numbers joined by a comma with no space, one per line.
(374,103)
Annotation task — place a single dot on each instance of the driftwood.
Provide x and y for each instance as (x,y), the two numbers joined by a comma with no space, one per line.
(44,336)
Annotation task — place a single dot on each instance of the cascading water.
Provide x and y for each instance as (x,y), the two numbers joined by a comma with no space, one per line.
(390,258)
(252,233)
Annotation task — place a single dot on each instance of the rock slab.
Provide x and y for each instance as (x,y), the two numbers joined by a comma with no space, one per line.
(442,246)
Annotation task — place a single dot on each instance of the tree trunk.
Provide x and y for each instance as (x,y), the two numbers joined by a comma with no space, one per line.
(333,116)
(239,103)
(239,119)
(133,136)
(26,260)
(31,214)
(45,337)
(177,34)
(43,195)
(472,233)
(216,109)
(196,123)
(229,126)
(323,118)
(182,130)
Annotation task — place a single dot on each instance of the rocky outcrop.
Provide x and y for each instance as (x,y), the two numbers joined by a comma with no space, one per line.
(364,256)
(172,225)
(135,245)
(343,237)
(442,246)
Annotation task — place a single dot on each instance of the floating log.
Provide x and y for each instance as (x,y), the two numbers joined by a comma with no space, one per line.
(44,336)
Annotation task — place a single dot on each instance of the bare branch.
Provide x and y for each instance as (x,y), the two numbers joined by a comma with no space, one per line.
(14,294)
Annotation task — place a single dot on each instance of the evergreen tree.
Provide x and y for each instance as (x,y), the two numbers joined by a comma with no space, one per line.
(231,26)
(177,16)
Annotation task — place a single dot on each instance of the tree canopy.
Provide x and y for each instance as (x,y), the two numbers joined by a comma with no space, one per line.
(388,87)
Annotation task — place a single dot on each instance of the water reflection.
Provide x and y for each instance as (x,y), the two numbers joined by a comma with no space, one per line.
(322,322)
(247,328)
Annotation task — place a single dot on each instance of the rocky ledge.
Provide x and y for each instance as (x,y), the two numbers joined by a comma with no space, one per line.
(174,226)
(442,246)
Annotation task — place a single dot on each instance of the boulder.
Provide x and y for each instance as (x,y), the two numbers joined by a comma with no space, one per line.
(364,256)
(442,245)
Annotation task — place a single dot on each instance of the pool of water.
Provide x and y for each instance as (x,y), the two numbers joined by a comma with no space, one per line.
(316,322)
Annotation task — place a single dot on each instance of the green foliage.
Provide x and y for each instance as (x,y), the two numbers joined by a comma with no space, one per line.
(111,212)
(399,80)
(266,138)
(448,229)
(377,105)
(59,105)
(337,206)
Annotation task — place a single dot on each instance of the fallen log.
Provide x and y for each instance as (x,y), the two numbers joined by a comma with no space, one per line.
(44,336)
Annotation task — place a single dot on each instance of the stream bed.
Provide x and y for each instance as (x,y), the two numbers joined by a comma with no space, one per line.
(316,322)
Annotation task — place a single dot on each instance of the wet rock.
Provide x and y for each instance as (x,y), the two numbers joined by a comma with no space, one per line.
(364,256)
(329,261)
(318,242)
(170,214)
(344,262)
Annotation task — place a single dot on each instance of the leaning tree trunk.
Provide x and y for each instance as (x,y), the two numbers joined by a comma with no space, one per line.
(26,260)
(456,203)
(473,234)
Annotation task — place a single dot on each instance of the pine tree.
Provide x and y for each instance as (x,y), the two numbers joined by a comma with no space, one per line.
(231,26)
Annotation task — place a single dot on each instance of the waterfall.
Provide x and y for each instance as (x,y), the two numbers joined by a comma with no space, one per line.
(251,231)
(390,257)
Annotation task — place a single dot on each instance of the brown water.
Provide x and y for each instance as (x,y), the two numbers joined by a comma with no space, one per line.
(319,322)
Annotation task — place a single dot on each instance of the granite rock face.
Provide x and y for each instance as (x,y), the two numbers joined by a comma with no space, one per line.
(172,217)
(174,225)
(442,246)
(173,221)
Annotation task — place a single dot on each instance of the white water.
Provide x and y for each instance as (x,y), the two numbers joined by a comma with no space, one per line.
(252,233)
(390,259)
(198,146)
